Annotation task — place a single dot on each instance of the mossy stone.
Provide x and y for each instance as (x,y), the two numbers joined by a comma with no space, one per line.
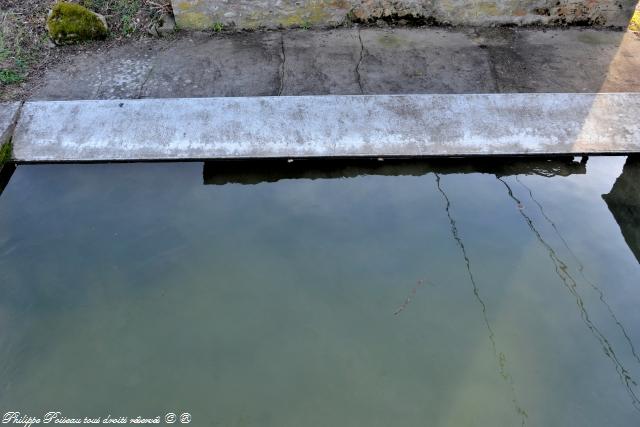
(72,23)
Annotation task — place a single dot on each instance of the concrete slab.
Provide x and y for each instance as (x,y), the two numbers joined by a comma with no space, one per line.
(321,63)
(8,116)
(572,60)
(328,126)
(404,60)
(252,14)
(105,74)
(203,66)
(198,65)
(353,61)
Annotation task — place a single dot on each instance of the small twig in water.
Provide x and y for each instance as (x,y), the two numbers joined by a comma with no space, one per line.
(406,302)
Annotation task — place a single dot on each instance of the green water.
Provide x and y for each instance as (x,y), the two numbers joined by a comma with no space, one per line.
(276,294)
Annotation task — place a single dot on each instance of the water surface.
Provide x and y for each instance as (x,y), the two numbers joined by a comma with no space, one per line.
(315,294)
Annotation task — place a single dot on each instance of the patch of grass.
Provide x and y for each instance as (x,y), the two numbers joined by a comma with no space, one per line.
(127,9)
(129,17)
(120,14)
(4,50)
(305,25)
(218,27)
(8,77)
(5,153)
(17,50)
(95,4)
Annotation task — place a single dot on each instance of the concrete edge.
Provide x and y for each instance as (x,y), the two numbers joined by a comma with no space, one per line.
(328,127)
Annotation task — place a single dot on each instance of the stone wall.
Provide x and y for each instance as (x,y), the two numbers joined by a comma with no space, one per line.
(251,14)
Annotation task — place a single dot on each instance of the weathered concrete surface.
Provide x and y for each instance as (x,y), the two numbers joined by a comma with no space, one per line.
(438,61)
(354,61)
(228,64)
(250,14)
(8,116)
(321,63)
(342,126)
(573,61)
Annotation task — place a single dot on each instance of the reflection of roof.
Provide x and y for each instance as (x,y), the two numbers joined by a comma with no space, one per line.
(5,175)
(624,203)
(258,171)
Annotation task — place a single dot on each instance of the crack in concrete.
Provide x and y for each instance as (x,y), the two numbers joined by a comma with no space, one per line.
(358,75)
(283,57)
(99,90)
(494,72)
(8,137)
(16,118)
(145,81)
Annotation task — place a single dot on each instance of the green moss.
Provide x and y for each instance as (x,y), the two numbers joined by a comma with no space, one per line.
(5,153)
(488,8)
(194,21)
(291,21)
(306,16)
(70,23)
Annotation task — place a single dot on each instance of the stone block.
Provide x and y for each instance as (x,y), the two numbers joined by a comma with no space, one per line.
(252,14)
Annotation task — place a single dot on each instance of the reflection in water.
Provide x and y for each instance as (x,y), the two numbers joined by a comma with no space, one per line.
(500,356)
(562,271)
(581,269)
(5,175)
(259,171)
(277,305)
(419,284)
(624,203)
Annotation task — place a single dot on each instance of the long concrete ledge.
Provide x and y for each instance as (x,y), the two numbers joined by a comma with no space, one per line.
(328,126)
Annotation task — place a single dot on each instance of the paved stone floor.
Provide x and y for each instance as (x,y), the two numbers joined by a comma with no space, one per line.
(354,61)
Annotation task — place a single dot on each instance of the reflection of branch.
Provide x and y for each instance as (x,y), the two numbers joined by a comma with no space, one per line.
(581,271)
(500,357)
(408,299)
(571,285)
(406,302)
